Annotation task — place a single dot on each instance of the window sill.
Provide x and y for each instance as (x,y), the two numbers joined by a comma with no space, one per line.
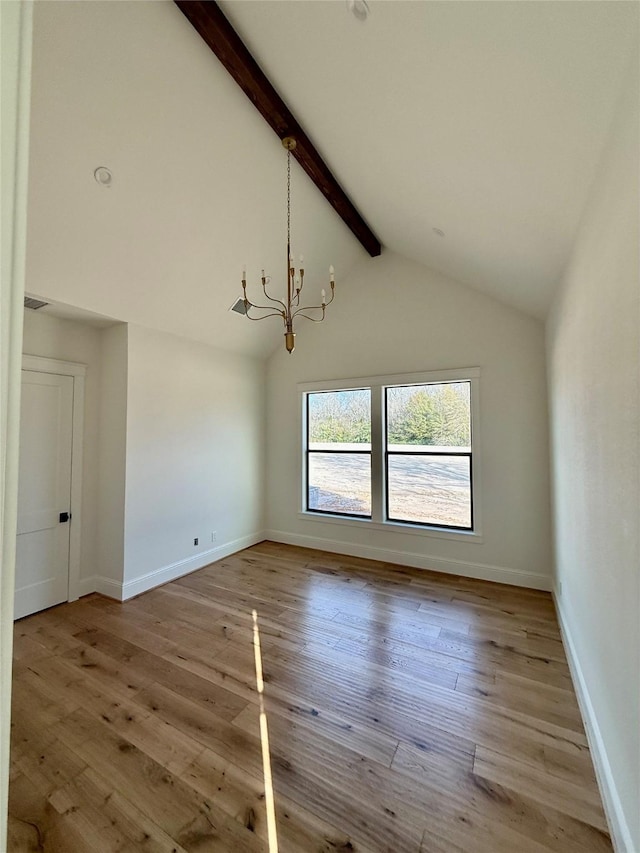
(394,527)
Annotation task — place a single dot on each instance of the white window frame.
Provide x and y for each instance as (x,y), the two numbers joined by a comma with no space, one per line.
(377,385)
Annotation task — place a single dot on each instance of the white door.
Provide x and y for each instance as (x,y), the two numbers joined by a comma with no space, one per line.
(44,491)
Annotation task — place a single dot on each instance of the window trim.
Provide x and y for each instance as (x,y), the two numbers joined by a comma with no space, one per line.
(377,384)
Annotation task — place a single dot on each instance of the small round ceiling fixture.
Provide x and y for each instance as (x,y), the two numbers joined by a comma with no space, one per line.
(359,9)
(438,231)
(103,176)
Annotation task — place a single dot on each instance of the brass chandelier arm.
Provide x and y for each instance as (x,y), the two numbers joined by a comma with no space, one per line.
(307,317)
(248,304)
(264,316)
(314,308)
(271,298)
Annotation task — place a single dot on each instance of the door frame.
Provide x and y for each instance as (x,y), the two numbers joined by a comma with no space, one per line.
(77,372)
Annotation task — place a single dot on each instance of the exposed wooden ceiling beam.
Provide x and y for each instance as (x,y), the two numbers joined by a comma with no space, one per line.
(209,21)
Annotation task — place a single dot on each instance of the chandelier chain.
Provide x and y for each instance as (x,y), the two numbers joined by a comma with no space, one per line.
(288,199)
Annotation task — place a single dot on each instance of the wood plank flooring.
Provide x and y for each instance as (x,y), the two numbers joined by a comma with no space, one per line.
(407,711)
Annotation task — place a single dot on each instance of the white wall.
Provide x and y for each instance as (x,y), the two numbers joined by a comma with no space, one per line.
(394,316)
(593,356)
(195,456)
(198,177)
(67,340)
(15,79)
(112,462)
(174,450)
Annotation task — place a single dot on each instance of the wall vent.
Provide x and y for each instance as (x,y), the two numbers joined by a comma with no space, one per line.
(238,306)
(34,304)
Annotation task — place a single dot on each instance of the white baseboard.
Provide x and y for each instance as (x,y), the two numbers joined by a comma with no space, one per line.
(122,592)
(620,831)
(109,587)
(97,583)
(482,571)
(185,567)
(85,586)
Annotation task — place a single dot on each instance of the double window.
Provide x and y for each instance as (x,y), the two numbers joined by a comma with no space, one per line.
(393,450)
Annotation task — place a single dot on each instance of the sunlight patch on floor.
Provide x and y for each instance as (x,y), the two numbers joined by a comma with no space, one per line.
(272,831)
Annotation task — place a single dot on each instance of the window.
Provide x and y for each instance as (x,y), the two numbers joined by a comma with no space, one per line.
(339,452)
(428,454)
(394,450)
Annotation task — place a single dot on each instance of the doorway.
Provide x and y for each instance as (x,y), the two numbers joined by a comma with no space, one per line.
(49,484)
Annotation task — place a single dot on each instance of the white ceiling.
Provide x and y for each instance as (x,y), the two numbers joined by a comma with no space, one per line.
(483,119)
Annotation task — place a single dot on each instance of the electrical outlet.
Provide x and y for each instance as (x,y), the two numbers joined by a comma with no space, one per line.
(195,541)
(214,536)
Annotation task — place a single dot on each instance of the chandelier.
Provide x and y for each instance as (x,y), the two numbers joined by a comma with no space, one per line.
(295,281)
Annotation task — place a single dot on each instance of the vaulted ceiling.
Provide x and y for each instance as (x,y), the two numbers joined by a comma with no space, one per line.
(485,120)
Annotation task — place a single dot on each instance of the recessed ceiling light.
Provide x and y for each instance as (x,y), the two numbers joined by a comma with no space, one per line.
(438,231)
(359,9)
(103,176)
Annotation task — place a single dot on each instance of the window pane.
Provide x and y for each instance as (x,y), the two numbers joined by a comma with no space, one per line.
(430,489)
(434,415)
(340,482)
(338,419)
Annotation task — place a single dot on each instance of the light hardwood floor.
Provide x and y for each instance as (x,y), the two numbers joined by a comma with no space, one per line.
(407,711)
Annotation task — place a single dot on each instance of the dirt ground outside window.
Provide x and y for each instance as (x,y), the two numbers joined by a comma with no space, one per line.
(431,490)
